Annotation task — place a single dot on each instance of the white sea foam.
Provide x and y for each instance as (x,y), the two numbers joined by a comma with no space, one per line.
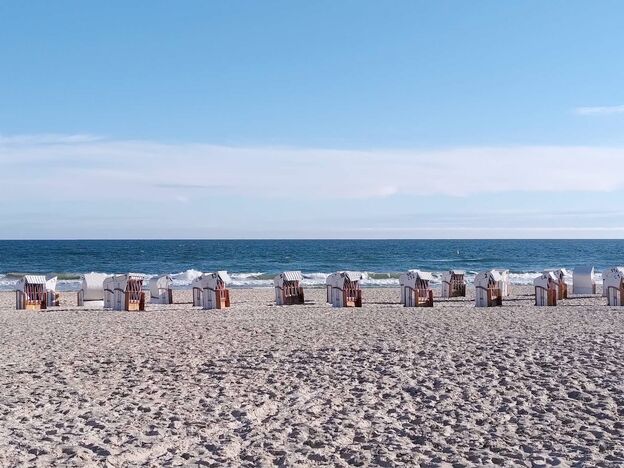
(6,282)
(185,278)
(252,283)
(387,282)
(523,278)
(314,278)
(182,280)
(243,276)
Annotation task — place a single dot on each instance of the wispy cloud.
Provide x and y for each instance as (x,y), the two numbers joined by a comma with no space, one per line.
(47,139)
(199,190)
(90,168)
(496,228)
(599,110)
(191,186)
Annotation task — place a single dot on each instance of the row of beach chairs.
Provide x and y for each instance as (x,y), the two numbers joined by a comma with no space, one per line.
(492,286)
(209,291)
(122,292)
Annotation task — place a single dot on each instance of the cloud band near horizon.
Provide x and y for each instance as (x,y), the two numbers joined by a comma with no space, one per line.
(91,167)
(85,186)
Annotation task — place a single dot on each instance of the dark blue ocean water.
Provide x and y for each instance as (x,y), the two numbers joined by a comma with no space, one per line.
(255,261)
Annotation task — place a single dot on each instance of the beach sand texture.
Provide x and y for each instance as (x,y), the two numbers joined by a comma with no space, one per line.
(259,385)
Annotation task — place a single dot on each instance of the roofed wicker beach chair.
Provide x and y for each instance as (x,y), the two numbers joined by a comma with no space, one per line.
(161,289)
(343,289)
(91,289)
(35,292)
(210,291)
(607,275)
(489,289)
(584,280)
(546,289)
(124,292)
(415,289)
(505,283)
(288,289)
(614,287)
(453,283)
(562,287)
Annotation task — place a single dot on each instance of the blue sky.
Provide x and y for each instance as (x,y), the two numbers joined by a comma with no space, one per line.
(311,119)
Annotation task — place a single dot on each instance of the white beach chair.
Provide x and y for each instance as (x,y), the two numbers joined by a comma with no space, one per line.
(210,292)
(546,289)
(288,289)
(583,280)
(488,289)
(562,286)
(161,289)
(35,292)
(614,287)
(505,282)
(415,289)
(91,289)
(607,275)
(124,292)
(343,289)
(453,283)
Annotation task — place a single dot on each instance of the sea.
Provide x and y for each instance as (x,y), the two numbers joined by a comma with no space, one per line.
(254,263)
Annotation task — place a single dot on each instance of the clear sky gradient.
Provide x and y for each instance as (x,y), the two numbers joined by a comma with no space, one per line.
(206,119)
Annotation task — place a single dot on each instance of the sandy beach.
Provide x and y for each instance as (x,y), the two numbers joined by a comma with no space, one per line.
(259,385)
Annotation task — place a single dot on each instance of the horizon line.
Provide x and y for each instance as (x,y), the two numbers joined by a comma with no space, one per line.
(314,239)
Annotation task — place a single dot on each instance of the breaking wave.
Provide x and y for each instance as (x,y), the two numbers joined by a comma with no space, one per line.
(183,279)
